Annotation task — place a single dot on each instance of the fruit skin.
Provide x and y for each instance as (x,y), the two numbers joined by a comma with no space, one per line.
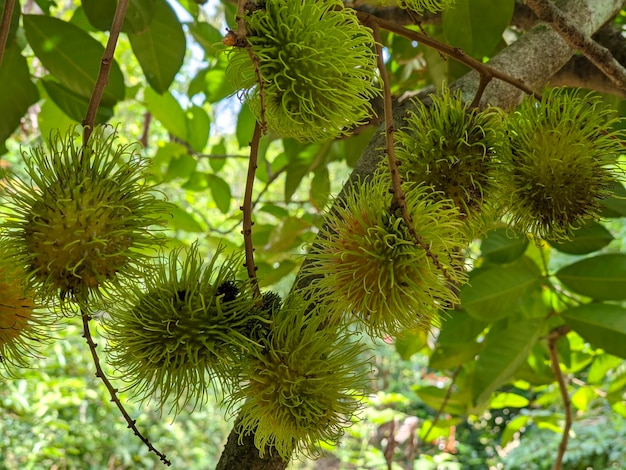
(317,64)
(80,222)
(172,338)
(457,152)
(303,385)
(366,262)
(562,163)
(421,6)
(23,324)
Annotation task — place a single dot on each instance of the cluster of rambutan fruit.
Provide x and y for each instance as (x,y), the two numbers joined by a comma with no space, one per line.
(76,234)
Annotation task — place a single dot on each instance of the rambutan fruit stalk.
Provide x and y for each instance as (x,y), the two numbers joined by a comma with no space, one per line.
(23,324)
(456,151)
(562,164)
(317,65)
(81,220)
(420,6)
(303,385)
(367,263)
(171,338)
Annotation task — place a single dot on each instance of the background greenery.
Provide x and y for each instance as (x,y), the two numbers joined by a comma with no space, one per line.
(170,91)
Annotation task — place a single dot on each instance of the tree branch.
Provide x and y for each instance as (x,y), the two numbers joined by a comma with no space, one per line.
(105,67)
(598,55)
(5,25)
(567,404)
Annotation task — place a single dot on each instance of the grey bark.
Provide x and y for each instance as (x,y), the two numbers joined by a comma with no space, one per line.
(534,58)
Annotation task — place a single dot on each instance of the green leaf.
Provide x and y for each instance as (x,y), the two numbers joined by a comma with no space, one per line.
(138,15)
(181,166)
(459,328)
(592,237)
(602,325)
(209,37)
(73,105)
(434,396)
(494,293)
(218,163)
(582,397)
(45,5)
(183,220)
(448,356)
(503,246)
(72,56)
(410,342)
(270,274)
(160,48)
(220,190)
(513,428)
(198,128)
(216,84)
(18,91)
(320,188)
(168,111)
(602,277)
(615,206)
(245,126)
(52,118)
(506,348)
(285,235)
(476,26)
(601,366)
(508,400)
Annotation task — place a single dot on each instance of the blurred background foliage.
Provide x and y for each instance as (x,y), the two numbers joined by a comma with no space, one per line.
(171,93)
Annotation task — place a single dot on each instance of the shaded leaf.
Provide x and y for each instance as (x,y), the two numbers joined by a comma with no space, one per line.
(18,91)
(73,105)
(180,166)
(168,111)
(458,327)
(503,246)
(505,350)
(496,292)
(449,356)
(592,237)
(72,56)
(433,396)
(320,188)
(269,274)
(15,20)
(220,190)
(209,37)
(410,342)
(198,128)
(602,277)
(615,206)
(139,14)
(183,220)
(602,325)
(160,48)
(245,126)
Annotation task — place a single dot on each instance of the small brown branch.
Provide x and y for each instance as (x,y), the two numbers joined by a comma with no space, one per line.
(145,131)
(444,403)
(482,84)
(246,208)
(600,56)
(113,391)
(556,368)
(105,67)
(5,25)
(453,52)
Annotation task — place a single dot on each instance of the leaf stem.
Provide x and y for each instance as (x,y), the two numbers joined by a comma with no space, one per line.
(113,391)
(560,378)
(105,66)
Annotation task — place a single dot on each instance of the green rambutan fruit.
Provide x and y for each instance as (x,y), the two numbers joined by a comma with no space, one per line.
(172,337)
(81,220)
(421,6)
(562,163)
(303,386)
(22,323)
(456,151)
(317,64)
(366,261)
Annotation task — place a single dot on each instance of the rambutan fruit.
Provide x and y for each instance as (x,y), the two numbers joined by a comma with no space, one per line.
(81,220)
(171,338)
(303,385)
(562,163)
(317,65)
(456,151)
(22,323)
(420,6)
(366,261)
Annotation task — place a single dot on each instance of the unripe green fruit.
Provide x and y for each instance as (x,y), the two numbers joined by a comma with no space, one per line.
(172,338)
(22,323)
(317,64)
(420,6)
(563,157)
(368,264)
(82,220)
(456,151)
(303,386)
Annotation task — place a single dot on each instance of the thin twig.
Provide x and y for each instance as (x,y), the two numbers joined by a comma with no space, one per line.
(398,200)
(246,208)
(560,378)
(444,403)
(453,52)
(5,25)
(113,391)
(600,56)
(105,67)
